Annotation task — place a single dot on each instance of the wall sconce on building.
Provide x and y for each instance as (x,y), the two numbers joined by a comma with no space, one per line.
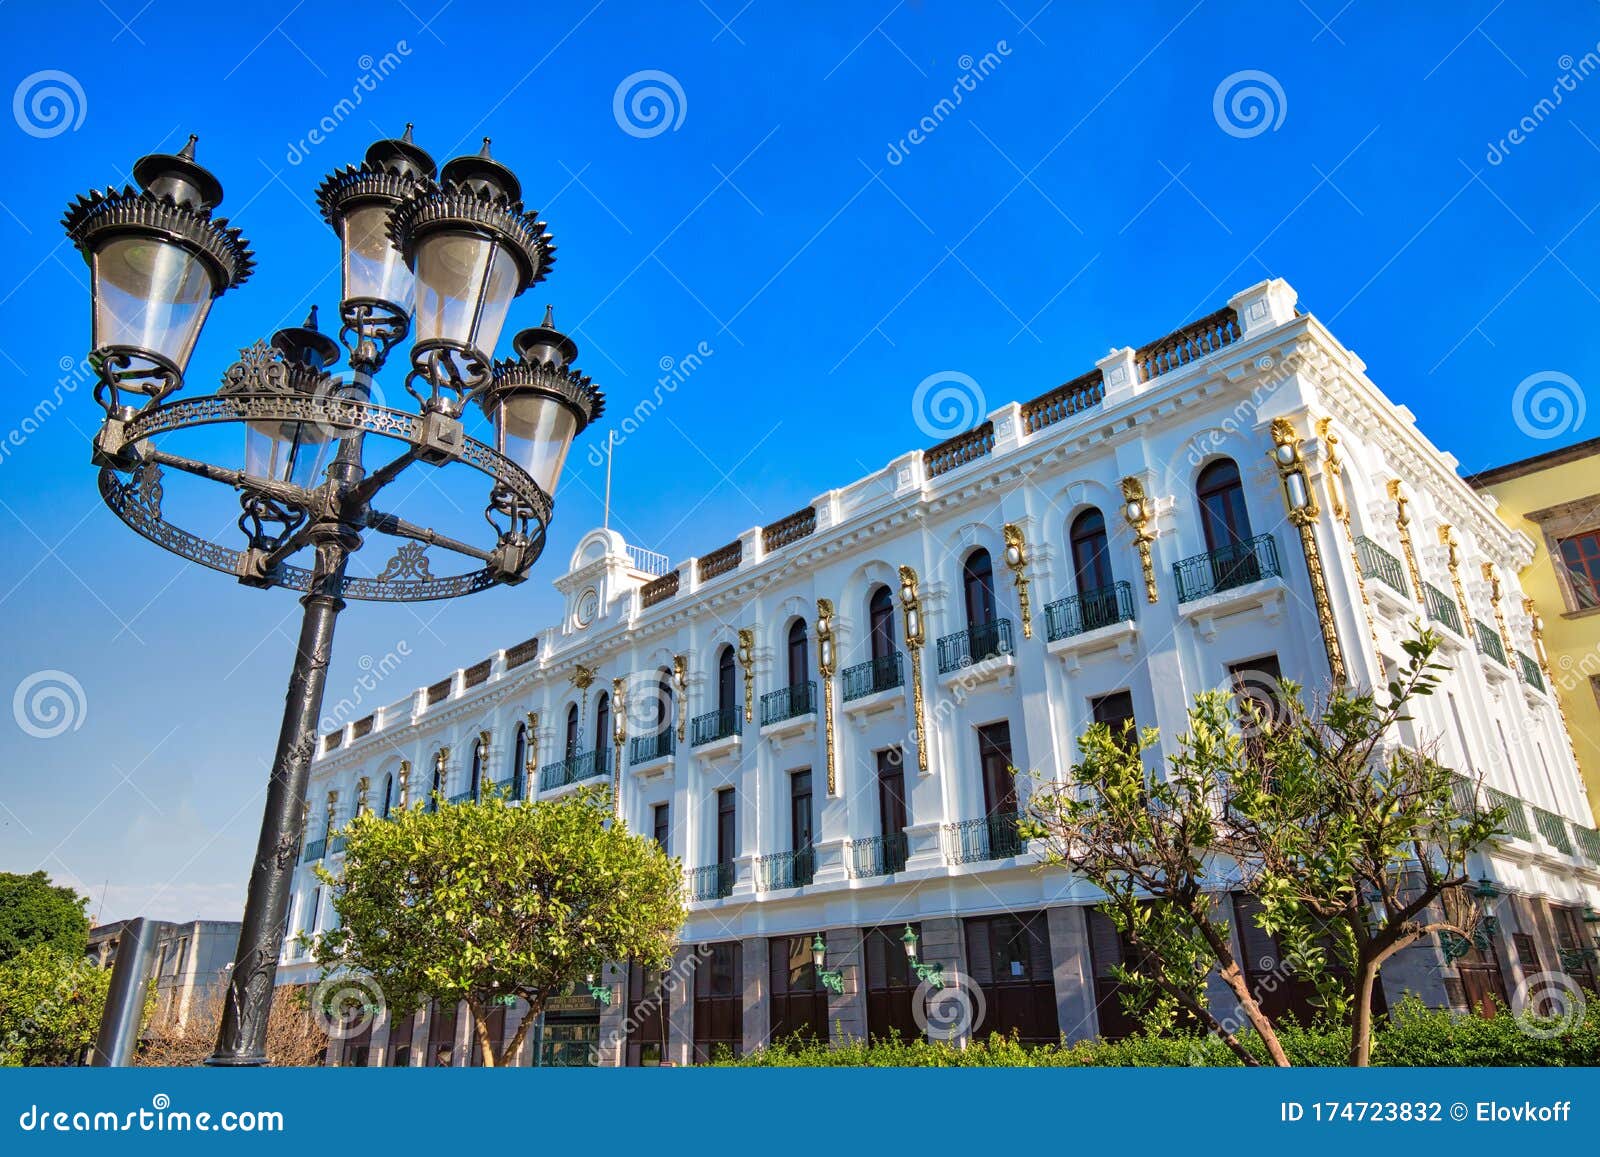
(930,974)
(747,662)
(601,993)
(827,663)
(680,683)
(619,736)
(1486,889)
(911,608)
(405,784)
(362,786)
(1017,562)
(1302,505)
(832,981)
(1136,511)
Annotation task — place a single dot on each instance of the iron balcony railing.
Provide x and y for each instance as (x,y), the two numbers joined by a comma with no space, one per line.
(1516,813)
(1377,563)
(1531,674)
(979,643)
(793,869)
(1235,565)
(715,725)
(1489,642)
(518,785)
(711,883)
(644,748)
(992,838)
(789,702)
(1442,608)
(315,850)
(1088,611)
(574,769)
(878,855)
(1588,843)
(1554,830)
(462,797)
(880,674)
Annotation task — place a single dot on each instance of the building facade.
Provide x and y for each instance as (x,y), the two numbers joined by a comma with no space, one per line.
(818,718)
(1554,499)
(192,961)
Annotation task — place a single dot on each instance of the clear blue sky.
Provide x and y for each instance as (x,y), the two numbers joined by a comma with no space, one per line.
(1083,195)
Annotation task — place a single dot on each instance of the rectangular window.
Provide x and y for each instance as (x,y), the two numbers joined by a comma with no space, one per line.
(891,792)
(800,810)
(400,1041)
(441,1036)
(891,984)
(719,1001)
(1116,712)
(660,826)
(994,758)
(647,1017)
(1580,554)
(799,1004)
(727,830)
(1527,953)
(1109,948)
(1009,959)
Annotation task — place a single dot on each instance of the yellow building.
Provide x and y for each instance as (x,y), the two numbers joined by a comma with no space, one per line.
(1554,498)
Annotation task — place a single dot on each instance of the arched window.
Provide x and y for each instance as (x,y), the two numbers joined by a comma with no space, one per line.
(519,761)
(477,770)
(572,731)
(388,793)
(977,581)
(663,719)
(727,691)
(1222,510)
(602,730)
(880,619)
(799,660)
(1091,557)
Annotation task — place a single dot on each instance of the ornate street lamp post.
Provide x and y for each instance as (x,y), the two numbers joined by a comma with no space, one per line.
(444,256)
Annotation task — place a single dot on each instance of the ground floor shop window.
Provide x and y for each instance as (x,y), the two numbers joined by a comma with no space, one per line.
(719,1002)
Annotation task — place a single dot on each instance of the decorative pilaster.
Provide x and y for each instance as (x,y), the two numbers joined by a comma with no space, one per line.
(747,663)
(1303,513)
(1491,577)
(1017,561)
(680,682)
(405,784)
(1402,526)
(1542,656)
(619,735)
(1136,510)
(531,763)
(1333,477)
(911,608)
(362,786)
(1452,554)
(827,662)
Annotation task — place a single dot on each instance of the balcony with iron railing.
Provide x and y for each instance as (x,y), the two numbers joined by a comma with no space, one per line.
(881,674)
(1588,843)
(644,748)
(1489,642)
(1554,830)
(1516,822)
(714,882)
(314,850)
(789,702)
(781,870)
(574,769)
(1531,674)
(1088,611)
(979,643)
(995,837)
(1442,608)
(462,797)
(1226,568)
(715,725)
(878,855)
(1377,563)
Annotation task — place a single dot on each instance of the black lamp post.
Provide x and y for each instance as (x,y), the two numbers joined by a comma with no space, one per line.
(452,254)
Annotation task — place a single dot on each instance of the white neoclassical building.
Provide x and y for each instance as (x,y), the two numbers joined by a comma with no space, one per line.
(817,718)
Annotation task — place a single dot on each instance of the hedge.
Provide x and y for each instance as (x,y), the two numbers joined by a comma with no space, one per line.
(1413,1035)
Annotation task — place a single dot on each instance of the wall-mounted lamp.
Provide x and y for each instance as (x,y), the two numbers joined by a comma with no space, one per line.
(747,662)
(600,992)
(930,974)
(911,608)
(827,663)
(1303,513)
(832,981)
(680,683)
(1590,916)
(619,736)
(1136,512)
(1486,889)
(1017,562)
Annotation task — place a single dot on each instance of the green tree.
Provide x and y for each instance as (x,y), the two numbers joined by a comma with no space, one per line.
(50,1006)
(1354,842)
(34,911)
(484,902)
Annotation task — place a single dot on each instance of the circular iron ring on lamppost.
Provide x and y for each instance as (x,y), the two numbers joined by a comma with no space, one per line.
(441,257)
